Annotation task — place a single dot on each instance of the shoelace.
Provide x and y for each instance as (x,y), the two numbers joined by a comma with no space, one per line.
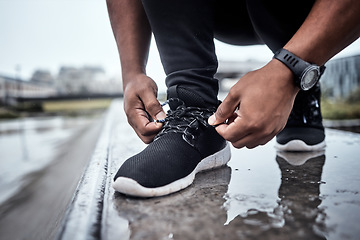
(185,120)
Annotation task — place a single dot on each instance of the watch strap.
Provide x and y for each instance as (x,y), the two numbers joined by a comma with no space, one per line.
(322,70)
(293,62)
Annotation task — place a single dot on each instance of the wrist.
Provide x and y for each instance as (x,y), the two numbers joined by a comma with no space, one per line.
(128,77)
(306,74)
(286,76)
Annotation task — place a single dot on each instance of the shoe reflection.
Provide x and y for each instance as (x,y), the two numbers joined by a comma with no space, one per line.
(299,193)
(297,215)
(198,212)
(193,213)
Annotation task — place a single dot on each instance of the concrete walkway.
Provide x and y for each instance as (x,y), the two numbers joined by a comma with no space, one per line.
(261,194)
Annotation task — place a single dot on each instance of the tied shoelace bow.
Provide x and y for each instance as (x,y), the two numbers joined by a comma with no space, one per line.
(185,120)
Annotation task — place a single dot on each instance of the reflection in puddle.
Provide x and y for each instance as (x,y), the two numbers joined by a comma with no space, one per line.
(299,193)
(265,195)
(180,215)
(297,214)
(202,209)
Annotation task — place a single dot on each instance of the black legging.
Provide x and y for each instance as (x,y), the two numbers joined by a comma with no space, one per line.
(184,31)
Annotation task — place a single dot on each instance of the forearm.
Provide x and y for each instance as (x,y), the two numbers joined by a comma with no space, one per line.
(132,34)
(330,27)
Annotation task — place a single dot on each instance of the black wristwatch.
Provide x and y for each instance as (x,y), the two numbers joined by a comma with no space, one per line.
(306,74)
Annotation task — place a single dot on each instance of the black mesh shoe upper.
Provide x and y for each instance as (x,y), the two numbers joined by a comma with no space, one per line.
(306,110)
(186,139)
(305,120)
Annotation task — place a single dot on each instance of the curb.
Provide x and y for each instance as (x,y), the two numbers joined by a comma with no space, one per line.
(82,220)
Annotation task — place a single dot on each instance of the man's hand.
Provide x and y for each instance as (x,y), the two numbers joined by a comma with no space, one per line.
(132,34)
(257,106)
(141,107)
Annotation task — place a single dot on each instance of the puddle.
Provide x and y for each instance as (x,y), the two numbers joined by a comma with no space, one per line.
(261,194)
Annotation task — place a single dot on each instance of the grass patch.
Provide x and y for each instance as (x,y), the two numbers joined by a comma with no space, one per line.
(337,109)
(8,114)
(340,110)
(76,105)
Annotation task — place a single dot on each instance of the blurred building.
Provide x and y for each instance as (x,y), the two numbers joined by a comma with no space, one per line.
(13,88)
(341,77)
(43,77)
(85,80)
(340,80)
(70,81)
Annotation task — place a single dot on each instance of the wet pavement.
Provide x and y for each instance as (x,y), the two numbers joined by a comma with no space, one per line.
(29,144)
(261,194)
(42,160)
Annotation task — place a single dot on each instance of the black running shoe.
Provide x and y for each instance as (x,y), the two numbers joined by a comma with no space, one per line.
(186,145)
(304,130)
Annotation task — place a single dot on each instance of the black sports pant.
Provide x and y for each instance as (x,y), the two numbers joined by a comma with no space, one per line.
(184,31)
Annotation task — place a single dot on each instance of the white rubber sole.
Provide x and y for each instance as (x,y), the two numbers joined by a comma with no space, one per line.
(300,146)
(299,158)
(131,187)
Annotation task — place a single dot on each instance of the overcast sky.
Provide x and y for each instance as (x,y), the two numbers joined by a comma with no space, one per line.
(47,34)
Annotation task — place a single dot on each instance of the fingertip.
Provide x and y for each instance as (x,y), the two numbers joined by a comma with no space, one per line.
(224,111)
(159,124)
(221,128)
(212,120)
(161,115)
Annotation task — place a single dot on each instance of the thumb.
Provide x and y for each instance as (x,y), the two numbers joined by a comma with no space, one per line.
(152,106)
(224,111)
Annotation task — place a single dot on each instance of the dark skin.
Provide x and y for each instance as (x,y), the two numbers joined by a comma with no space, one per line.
(133,33)
(258,105)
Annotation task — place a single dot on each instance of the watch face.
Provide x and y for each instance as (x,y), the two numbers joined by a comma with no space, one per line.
(310,77)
